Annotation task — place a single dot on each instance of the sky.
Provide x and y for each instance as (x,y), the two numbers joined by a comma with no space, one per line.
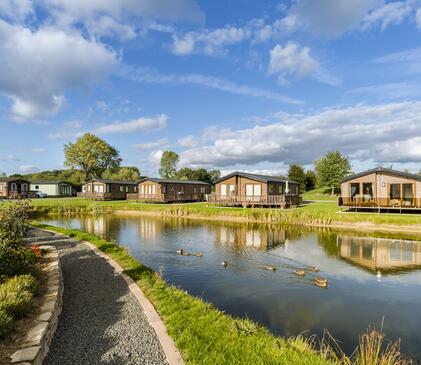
(229,84)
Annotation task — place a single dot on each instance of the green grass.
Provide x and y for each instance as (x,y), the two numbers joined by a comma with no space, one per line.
(319,194)
(204,334)
(316,214)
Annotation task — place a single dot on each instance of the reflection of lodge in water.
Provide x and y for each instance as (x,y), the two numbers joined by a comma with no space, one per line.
(380,254)
(250,237)
(95,225)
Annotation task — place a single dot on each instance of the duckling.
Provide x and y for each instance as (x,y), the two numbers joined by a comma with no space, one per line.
(320,284)
(320,280)
(300,272)
(224,263)
(181,251)
(312,268)
(198,254)
(269,267)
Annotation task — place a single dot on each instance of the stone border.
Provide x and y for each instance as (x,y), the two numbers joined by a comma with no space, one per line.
(36,343)
(171,352)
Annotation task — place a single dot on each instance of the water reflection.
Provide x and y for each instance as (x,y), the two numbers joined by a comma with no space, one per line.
(288,305)
(380,254)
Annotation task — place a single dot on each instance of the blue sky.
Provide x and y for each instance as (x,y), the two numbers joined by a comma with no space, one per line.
(233,85)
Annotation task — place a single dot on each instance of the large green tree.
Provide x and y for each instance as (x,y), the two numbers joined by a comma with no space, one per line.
(331,169)
(168,165)
(201,174)
(296,173)
(92,155)
(310,180)
(125,173)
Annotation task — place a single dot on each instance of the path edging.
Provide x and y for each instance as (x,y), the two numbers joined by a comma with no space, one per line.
(172,354)
(38,338)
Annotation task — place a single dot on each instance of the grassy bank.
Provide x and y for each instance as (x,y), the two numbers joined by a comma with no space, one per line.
(320,213)
(204,334)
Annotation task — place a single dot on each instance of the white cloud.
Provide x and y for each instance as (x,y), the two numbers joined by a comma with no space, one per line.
(188,141)
(155,144)
(418,18)
(183,45)
(102,105)
(383,133)
(389,13)
(387,91)
(140,124)
(332,18)
(152,76)
(10,158)
(291,60)
(36,150)
(36,84)
(155,157)
(120,18)
(16,10)
(27,169)
(69,130)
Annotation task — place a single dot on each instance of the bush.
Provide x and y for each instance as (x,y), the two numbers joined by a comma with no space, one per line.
(16,295)
(6,322)
(13,223)
(15,261)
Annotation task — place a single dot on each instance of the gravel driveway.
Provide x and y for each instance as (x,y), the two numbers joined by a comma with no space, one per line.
(101,321)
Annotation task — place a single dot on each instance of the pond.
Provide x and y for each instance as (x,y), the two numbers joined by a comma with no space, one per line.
(371,280)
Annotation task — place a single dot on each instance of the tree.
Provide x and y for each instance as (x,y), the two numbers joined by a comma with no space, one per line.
(92,155)
(310,180)
(3,174)
(296,173)
(201,174)
(331,169)
(125,173)
(168,164)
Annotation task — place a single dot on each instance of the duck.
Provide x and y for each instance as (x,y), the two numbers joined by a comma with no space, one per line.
(224,263)
(320,280)
(299,272)
(320,284)
(269,267)
(181,251)
(313,269)
(198,254)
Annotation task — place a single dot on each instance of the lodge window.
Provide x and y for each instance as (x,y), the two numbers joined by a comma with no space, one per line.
(121,188)
(270,189)
(13,187)
(368,189)
(355,189)
(203,190)
(395,191)
(223,189)
(407,192)
(164,189)
(232,189)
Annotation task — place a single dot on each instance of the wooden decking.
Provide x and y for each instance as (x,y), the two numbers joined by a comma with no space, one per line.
(280,201)
(166,198)
(95,195)
(371,203)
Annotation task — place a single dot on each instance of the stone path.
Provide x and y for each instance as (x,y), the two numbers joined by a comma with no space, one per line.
(101,321)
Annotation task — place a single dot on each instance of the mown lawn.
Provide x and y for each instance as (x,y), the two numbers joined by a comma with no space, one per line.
(316,213)
(202,333)
(319,194)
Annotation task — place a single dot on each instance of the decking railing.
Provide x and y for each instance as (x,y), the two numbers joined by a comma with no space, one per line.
(94,195)
(251,200)
(372,202)
(163,198)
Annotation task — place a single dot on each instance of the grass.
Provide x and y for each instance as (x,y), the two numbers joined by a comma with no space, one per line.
(204,334)
(315,214)
(319,194)
(16,298)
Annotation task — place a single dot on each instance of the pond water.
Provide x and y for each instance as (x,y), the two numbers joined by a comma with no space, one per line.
(370,279)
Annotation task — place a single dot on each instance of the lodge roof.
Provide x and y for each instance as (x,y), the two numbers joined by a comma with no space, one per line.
(173,181)
(383,170)
(262,178)
(110,181)
(50,182)
(11,179)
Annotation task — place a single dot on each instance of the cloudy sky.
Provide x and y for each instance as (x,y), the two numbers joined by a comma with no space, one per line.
(228,84)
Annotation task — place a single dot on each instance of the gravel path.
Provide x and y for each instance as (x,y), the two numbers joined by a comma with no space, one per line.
(101,321)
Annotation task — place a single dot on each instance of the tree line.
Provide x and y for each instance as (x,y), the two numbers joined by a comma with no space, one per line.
(92,157)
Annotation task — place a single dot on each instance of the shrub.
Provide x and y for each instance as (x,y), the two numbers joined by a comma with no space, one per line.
(13,223)
(15,261)
(6,322)
(16,295)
